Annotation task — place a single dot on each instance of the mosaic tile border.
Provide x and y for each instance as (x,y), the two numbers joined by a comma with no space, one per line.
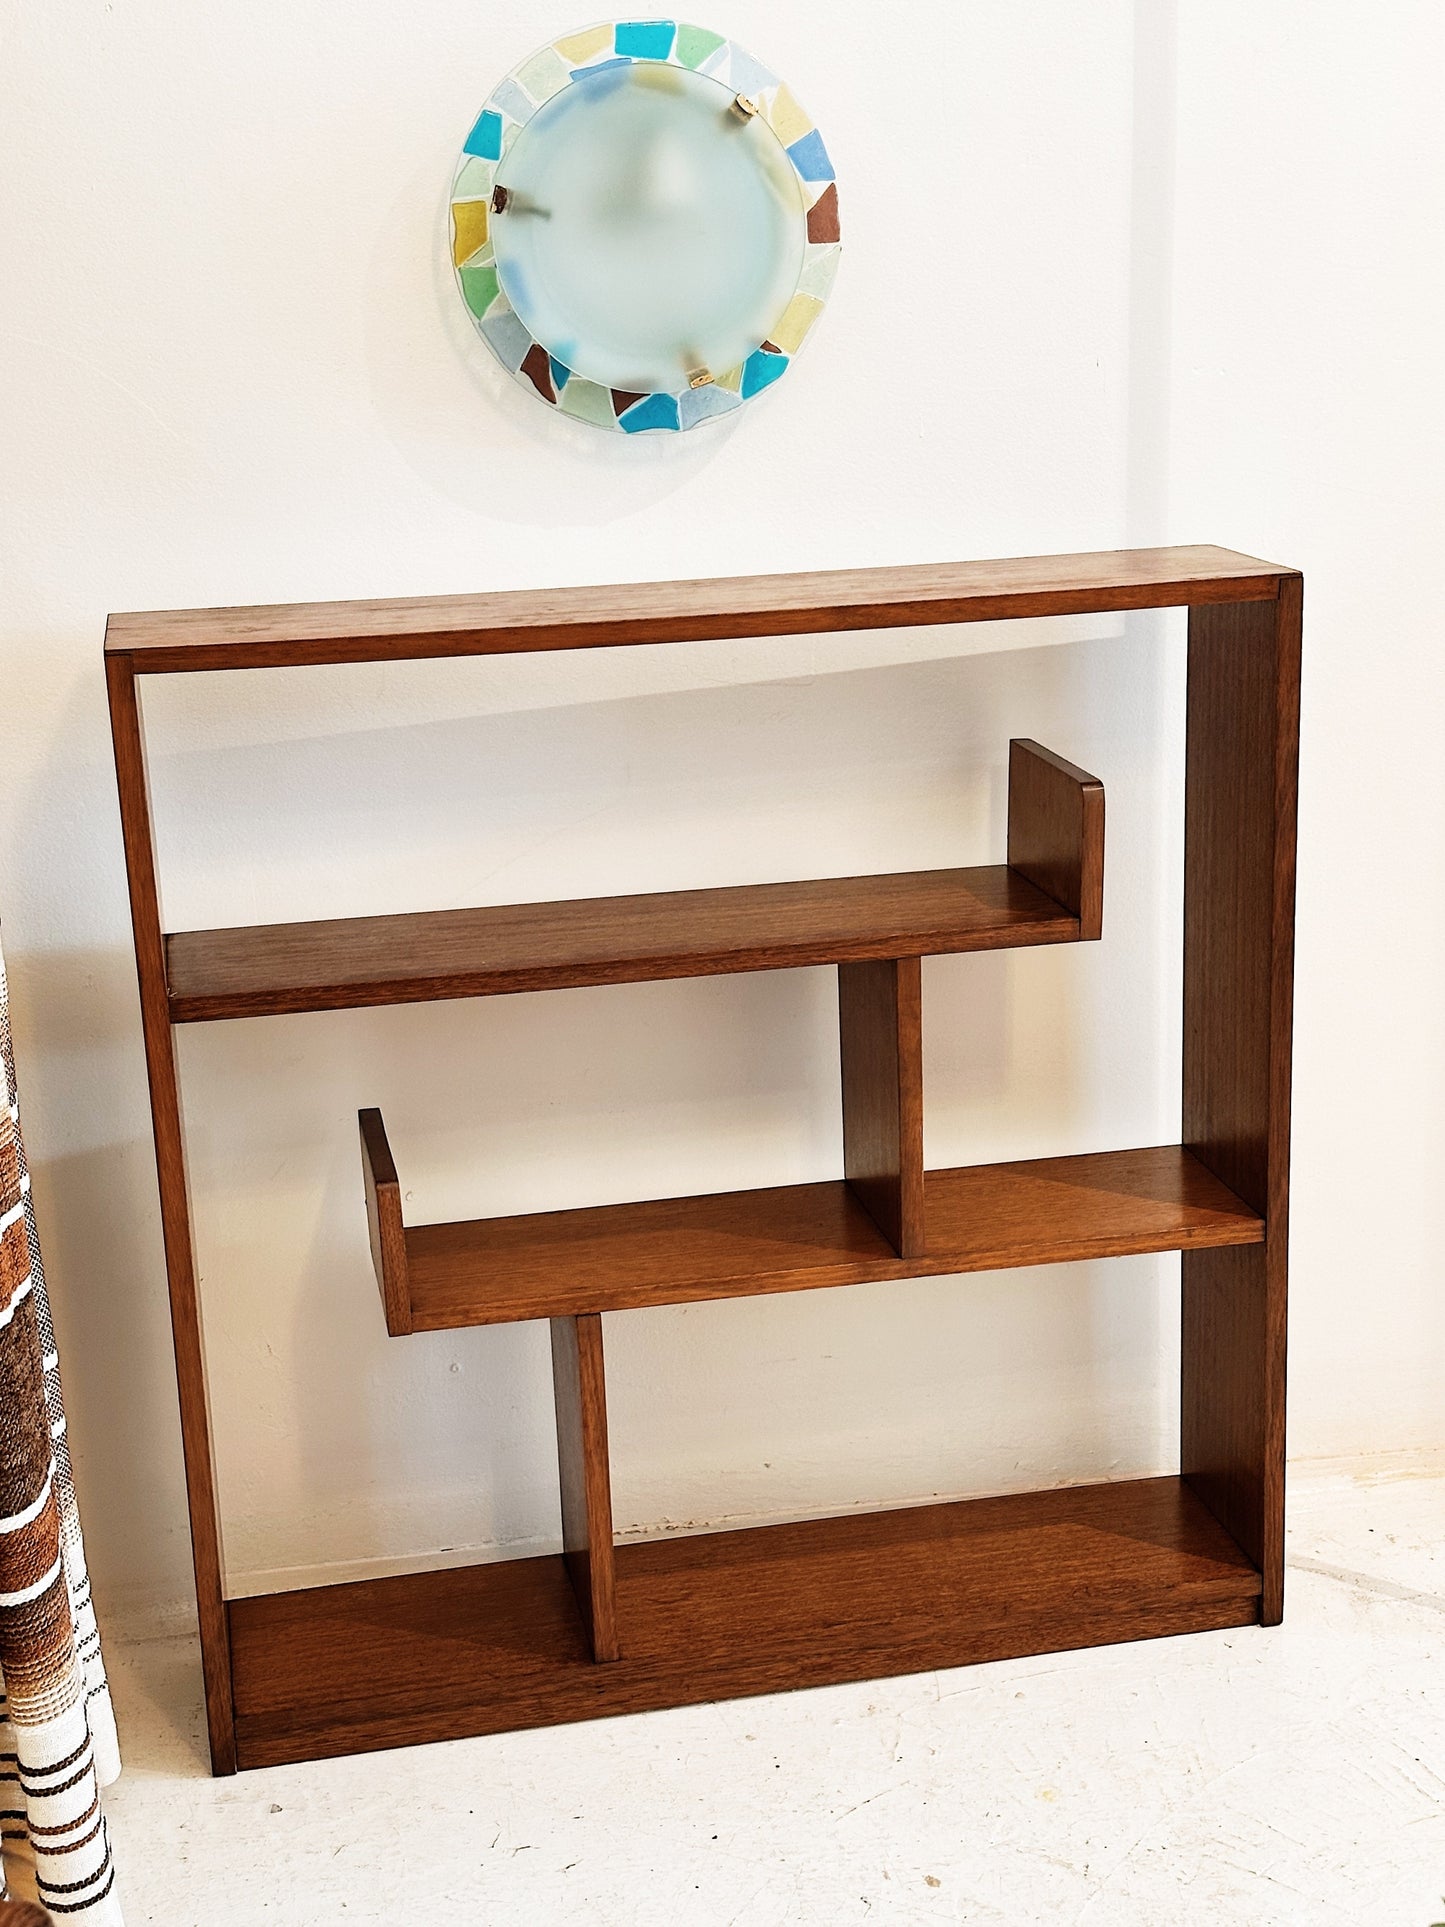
(617,43)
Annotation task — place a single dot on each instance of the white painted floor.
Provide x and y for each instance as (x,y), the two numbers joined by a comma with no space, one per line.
(1291,1776)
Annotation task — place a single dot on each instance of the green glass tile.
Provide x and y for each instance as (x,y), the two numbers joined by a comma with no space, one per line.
(479,288)
(588,402)
(694,44)
(819,267)
(474,181)
(543,75)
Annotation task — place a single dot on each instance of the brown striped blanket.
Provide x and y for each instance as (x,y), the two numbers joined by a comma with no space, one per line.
(57,1731)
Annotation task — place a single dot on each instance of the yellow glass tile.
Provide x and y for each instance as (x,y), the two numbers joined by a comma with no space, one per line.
(786,117)
(732,379)
(469,229)
(578,47)
(799,315)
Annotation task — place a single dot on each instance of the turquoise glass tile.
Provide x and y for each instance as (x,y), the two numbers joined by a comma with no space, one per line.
(810,157)
(760,371)
(560,372)
(485,139)
(645,39)
(653,411)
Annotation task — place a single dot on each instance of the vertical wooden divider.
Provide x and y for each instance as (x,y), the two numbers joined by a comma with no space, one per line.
(186,1335)
(880,1027)
(580,1387)
(1239,871)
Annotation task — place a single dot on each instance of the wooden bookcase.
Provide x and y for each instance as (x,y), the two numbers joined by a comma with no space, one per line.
(602,1629)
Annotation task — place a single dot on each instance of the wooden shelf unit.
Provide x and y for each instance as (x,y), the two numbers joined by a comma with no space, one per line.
(602,1629)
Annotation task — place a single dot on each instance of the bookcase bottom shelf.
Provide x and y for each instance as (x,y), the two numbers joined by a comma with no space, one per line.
(487,1649)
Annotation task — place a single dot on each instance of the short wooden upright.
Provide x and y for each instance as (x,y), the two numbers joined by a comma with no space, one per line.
(880,1022)
(579,1386)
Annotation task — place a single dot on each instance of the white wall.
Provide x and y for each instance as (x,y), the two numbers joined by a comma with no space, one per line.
(1106,279)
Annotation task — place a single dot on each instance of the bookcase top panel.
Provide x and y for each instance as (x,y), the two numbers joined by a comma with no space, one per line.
(611,615)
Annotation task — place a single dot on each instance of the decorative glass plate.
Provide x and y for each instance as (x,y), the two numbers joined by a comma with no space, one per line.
(644,225)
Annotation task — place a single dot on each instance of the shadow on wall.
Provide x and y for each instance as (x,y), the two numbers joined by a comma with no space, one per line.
(83,1098)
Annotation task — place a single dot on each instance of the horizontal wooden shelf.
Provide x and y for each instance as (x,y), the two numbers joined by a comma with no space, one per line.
(796,1237)
(165,641)
(486,1649)
(269,970)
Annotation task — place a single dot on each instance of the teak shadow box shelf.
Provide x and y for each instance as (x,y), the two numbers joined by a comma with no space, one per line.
(601,1629)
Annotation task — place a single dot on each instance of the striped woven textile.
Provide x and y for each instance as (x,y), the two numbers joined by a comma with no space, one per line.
(57,1730)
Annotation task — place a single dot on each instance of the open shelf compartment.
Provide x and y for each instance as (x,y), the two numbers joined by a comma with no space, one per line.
(799,1237)
(1049,891)
(486,1649)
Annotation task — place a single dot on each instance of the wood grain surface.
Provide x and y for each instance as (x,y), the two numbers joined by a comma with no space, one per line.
(1056,831)
(352,962)
(485,1649)
(187,1336)
(163,641)
(880,1036)
(801,1237)
(1239,879)
(385,1229)
(579,1387)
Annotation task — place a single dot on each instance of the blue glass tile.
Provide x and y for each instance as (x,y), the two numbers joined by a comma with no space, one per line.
(645,39)
(485,139)
(749,76)
(598,67)
(508,337)
(653,411)
(810,157)
(760,370)
(698,403)
(510,98)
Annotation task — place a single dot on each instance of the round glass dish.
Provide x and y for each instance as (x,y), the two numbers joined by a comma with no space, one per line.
(644,225)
